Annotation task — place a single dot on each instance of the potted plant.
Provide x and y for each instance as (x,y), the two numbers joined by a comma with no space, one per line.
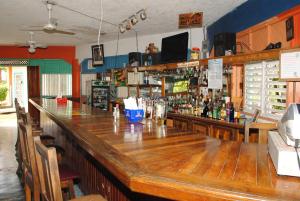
(3,93)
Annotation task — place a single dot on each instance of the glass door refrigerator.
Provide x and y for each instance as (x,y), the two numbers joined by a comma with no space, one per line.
(100,94)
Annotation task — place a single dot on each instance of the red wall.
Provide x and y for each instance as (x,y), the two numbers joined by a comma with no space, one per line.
(66,53)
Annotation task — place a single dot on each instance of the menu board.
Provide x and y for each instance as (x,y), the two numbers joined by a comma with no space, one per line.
(215,73)
(290,65)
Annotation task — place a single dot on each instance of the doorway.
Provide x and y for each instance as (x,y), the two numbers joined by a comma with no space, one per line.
(13,81)
(19,86)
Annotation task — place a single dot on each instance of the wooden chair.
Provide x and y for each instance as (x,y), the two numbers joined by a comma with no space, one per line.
(26,119)
(30,177)
(31,181)
(263,129)
(49,175)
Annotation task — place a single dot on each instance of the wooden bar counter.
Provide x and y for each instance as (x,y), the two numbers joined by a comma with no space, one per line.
(151,162)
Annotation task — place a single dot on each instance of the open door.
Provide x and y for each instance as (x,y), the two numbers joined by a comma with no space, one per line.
(33,77)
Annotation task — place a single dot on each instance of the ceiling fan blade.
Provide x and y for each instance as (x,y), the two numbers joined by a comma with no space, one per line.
(21,45)
(32,29)
(41,46)
(60,32)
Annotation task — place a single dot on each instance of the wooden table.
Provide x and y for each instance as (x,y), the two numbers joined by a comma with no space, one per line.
(151,162)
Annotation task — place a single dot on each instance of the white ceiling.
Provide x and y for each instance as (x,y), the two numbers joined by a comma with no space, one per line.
(162,17)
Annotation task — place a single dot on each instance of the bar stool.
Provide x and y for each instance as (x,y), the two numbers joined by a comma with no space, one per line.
(49,175)
(31,180)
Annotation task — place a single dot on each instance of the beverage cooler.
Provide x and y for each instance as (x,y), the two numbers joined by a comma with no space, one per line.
(99,94)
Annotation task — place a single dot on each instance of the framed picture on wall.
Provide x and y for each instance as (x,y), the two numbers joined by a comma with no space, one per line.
(289,28)
(97,55)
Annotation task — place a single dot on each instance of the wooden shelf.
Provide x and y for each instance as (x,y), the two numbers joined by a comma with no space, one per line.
(143,85)
(232,59)
(178,93)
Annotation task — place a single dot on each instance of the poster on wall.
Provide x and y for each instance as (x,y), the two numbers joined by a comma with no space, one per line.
(289,65)
(97,55)
(215,73)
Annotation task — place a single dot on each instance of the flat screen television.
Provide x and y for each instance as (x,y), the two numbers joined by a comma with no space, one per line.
(174,48)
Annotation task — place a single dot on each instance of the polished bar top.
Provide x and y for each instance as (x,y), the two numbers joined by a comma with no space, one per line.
(165,162)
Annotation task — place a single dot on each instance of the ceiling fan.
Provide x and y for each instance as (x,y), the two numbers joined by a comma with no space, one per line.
(51,26)
(31,44)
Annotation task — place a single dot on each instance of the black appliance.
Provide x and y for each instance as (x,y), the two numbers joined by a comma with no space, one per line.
(155,59)
(223,42)
(174,48)
(135,58)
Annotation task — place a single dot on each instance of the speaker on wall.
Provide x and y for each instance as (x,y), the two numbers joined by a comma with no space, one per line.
(223,42)
(135,58)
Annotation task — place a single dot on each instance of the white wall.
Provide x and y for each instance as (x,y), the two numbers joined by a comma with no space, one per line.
(127,45)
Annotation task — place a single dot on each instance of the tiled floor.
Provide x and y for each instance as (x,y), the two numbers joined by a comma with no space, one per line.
(10,187)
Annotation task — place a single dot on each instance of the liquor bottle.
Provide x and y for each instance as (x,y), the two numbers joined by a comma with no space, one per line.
(219,107)
(228,111)
(223,112)
(205,110)
(231,113)
(210,109)
(215,111)
(200,108)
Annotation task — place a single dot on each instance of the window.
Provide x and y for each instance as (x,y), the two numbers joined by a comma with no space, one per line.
(263,90)
(55,84)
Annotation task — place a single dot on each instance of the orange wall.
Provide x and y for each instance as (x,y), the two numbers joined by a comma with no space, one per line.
(66,53)
(270,31)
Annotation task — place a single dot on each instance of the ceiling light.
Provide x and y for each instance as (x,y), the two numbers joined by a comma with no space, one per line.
(50,27)
(142,14)
(122,28)
(133,19)
(128,24)
(31,49)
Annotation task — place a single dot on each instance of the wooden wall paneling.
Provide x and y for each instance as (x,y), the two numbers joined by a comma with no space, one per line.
(259,39)
(243,43)
(278,34)
(297,93)
(237,80)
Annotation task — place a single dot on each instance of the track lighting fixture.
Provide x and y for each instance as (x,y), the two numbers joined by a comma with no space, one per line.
(132,20)
(122,28)
(128,24)
(142,14)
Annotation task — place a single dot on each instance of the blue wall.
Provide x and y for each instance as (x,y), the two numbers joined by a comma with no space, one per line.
(248,14)
(110,62)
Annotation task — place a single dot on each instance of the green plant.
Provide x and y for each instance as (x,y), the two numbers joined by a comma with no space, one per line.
(3,93)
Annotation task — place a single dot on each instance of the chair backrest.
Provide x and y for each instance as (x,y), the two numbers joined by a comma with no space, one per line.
(19,111)
(27,151)
(48,172)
